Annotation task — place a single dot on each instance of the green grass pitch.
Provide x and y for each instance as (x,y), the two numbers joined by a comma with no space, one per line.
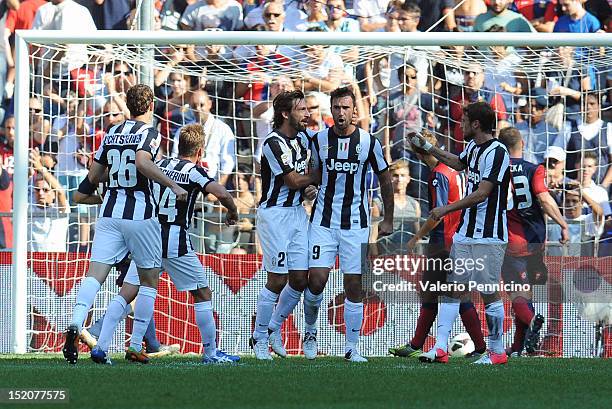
(329,383)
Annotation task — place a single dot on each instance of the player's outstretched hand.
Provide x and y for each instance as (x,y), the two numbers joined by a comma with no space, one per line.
(437,213)
(310,192)
(412,244)
(564,235)
(231,218)
(385,228)
(181,194)
(420,142)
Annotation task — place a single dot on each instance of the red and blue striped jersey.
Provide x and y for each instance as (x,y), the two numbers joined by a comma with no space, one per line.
(526,226)
(446,186)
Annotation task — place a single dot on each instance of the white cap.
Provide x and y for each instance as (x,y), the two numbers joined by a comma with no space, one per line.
(555,152)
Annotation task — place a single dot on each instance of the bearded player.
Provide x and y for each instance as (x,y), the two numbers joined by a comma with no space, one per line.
(524,260)
(282,221)
(446,186)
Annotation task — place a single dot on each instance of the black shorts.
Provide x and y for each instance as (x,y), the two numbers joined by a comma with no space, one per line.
(529,269)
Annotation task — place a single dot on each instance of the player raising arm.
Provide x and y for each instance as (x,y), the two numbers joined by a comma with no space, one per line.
(178,258)
(126,221)
(340,222)
(524,260)
(446,186)
(480,241)
(282,222)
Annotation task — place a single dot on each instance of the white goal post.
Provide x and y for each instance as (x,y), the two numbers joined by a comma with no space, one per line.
(24,39)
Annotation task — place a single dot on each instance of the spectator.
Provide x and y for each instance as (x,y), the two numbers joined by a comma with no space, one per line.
(537,133)
(40,127)
(592,135)
(407,210)
(408,19)
(587,168)
(173,112)
(109,14)
(224,15)
(473,91)
(317,121)
(602,9)
(338,22)
(7,166)
(583,228)
(576,19)
(406,106)
(315,15)
(263,112)
(22,18)
(555,167)
(499,75)
(542,14)
(170,12)
(434,10)
(371,14)
(274,20)
(48,226)
(219,140)
(323,69)
(466,13)
(499,14)
(62,15)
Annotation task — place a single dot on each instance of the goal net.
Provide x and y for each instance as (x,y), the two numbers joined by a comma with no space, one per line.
(558,98)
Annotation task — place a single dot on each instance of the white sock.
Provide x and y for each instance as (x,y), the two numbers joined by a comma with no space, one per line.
(206,323)
(494,313)
(312,303)
(447,314)
(353,319)
(265,306)
(85,299)
(143,311)
(114,314)
(128,310)
(287,301)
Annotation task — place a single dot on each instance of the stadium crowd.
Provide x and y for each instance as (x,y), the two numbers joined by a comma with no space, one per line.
(563,116)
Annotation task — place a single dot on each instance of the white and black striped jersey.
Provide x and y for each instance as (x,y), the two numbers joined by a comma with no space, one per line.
(486,222)
(279,156)
(342,202)
(129,193)
(175,216)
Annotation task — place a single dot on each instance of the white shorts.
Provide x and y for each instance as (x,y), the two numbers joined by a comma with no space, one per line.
(115,237)
(186,272)
(479,263)
(325,244)
(283,236)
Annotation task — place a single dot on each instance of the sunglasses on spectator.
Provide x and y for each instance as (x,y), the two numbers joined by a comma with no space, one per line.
(43,189)
(313,107)
(413,18)
(36,110)
(113,113)
(411,77)
(275,15)
(121,72)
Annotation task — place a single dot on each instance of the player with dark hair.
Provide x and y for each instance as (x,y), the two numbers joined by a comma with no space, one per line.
(446,186)
(282,222)
(340,223)
(178,258)
(524,260)
(480,241)
(126,221)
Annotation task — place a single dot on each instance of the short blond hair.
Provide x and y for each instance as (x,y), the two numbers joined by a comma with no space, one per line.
(191,139)
(399,164)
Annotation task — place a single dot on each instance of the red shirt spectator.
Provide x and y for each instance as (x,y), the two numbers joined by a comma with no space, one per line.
(7,165)
(23,18)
